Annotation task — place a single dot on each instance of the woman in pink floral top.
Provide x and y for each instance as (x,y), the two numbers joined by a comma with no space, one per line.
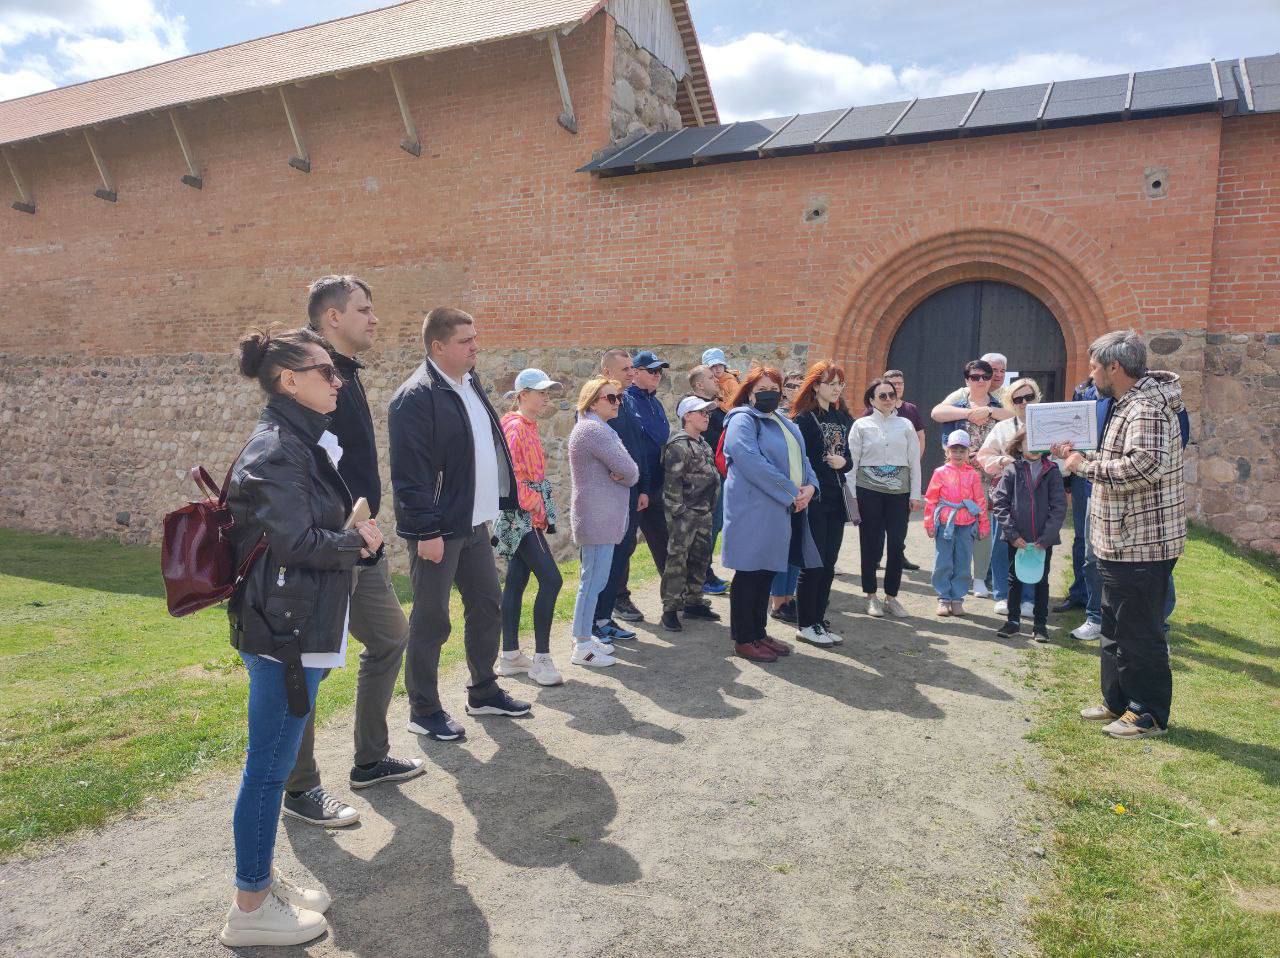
(521,535)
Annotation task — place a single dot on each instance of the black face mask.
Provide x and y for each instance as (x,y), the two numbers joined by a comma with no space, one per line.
(767,400)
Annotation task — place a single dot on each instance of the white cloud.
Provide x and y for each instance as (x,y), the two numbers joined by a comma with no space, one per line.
(66,41)
(763,74)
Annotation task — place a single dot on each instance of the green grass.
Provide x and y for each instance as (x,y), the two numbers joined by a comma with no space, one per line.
(1192,865)
(107,701)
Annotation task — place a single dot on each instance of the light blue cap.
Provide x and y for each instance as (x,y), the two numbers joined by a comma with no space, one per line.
(714,357)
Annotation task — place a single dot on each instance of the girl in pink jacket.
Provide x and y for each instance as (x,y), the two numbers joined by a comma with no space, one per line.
(955,516)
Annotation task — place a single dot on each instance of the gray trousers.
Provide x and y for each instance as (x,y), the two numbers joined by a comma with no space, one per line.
(468,563)
(377,623)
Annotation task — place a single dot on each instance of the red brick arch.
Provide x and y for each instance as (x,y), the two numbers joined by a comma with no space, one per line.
(1033,250)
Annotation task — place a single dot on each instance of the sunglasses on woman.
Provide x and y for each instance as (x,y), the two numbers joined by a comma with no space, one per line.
(883,396)
(613,398)
(1025,398)
(978,378)
(328,370)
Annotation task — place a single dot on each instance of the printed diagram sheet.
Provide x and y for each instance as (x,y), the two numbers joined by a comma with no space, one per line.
(1050,423)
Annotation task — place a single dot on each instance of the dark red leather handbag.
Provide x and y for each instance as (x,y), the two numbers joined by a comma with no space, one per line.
(197,559)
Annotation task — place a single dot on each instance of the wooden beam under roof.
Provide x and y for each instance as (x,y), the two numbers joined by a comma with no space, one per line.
(193,178)
(108,191)
(25,203)
(301,160)
(410,143)
(567,119)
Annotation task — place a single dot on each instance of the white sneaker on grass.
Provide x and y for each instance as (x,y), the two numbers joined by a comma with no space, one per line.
(875,607)
(589,654)
(276,922)
(544,671)
(894,607)
(1087,632)
(513,663)
(814,635)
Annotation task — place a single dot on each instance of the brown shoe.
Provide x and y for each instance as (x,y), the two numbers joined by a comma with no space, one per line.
(777,646)
(755,651)
(1098,713)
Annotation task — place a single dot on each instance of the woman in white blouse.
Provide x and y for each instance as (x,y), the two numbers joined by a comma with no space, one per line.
(885,452)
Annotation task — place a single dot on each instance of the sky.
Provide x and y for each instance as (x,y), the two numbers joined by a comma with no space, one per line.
(765,58)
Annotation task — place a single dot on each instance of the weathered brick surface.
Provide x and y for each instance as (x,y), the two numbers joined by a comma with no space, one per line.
(493,218)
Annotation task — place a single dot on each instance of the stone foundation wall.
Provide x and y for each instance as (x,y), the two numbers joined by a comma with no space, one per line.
(103,447)
(644,91)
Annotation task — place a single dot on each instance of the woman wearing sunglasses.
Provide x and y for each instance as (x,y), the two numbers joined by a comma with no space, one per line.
(289,618)
(977,411)
(884,456)
(992,460)
(602,472)
(782,594)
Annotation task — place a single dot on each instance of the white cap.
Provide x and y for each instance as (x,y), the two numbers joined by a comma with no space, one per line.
(534,379)
(959,438)
(693,404)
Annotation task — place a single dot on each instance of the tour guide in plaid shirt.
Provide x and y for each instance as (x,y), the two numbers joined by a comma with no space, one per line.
(1137,528)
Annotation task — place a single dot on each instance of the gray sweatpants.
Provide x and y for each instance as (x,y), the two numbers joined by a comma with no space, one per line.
(468,562)
(377,623)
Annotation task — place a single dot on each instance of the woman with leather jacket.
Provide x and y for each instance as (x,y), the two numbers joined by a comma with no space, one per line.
(289,617)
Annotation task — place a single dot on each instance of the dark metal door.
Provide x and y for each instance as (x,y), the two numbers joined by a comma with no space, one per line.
(962,322)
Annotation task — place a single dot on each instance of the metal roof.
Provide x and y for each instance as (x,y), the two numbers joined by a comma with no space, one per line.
(1236,87)
(386,35)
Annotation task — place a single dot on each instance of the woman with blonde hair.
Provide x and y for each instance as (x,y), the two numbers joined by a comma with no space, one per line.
(992,459)
(602,472)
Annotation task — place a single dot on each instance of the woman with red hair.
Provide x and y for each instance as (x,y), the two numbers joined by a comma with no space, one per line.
(820,412)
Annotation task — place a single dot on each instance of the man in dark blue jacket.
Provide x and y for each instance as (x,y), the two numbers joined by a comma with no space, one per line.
(616,364)
(655,430)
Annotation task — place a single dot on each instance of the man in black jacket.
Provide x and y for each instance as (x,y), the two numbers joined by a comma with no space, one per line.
(452,474)
(340,308)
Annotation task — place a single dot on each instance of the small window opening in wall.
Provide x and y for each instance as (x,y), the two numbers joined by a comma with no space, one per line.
(1156,181)
(815,212)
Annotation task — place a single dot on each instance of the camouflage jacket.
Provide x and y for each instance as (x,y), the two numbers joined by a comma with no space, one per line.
(691,481)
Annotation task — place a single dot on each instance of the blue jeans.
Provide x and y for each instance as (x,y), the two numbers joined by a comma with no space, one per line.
(953,563)
(1080,491)
(1092,581)
(619,566)
(785,583)
(717,523)
(999,564)
(597,562)
(274,737)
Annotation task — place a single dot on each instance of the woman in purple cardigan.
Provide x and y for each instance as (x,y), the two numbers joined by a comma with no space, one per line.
(602,472)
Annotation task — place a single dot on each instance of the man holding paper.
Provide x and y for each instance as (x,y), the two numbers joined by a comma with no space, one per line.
(340,308)
(1137,530)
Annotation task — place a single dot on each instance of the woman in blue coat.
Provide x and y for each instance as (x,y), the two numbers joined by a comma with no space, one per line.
(768,487)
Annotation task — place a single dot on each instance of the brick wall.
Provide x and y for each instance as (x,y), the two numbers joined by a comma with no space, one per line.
(493,218)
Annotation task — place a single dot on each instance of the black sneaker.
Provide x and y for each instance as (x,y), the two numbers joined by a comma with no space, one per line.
(317,807)
(1008,629)
(701,612)
(910,566)
(626,610)
(786,613)
(499,703)
(1066,605)
(438,725)
(388,770)
(1040,633)
(671,621)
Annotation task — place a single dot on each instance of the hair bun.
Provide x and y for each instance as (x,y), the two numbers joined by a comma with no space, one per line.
(253,350)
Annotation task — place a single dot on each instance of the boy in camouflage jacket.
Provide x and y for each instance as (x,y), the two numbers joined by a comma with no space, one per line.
(689,498)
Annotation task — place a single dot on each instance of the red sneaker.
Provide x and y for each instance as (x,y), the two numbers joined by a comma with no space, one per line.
(755,651)
(777,646)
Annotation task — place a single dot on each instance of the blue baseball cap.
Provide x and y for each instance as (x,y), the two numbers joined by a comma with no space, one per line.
(714,357)
(647,360)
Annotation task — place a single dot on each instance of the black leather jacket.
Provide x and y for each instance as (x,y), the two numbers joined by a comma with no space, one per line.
(295,598)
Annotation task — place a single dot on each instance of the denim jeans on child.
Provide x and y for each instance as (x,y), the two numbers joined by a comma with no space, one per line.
(999,565)
(274,736)
(1092,581)
(785,583)
(953,562)
(596,563)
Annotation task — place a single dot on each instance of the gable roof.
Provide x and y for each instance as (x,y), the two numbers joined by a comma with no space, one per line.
(385,35)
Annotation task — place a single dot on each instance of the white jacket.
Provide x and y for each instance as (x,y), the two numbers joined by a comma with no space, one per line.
(880,440)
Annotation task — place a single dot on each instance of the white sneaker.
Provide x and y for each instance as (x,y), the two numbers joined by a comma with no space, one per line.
(980,589)
(312,899)
(587,653)
(1002,607)
(835,639)
(275,923)
(513,663)
(1028,610)
(875,607)
(543,670)
(814,635)
(604,648)
(894,607)
(1088,632)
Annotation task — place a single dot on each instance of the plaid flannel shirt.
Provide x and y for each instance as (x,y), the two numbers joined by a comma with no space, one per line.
(1138,509)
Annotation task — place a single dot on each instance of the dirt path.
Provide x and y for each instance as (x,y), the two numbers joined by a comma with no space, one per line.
(865,800)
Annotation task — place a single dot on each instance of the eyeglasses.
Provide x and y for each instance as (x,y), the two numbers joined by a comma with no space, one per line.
(791,386)
(978,378)
(886,396)
(612,397)
(328,370)
(1019,400)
